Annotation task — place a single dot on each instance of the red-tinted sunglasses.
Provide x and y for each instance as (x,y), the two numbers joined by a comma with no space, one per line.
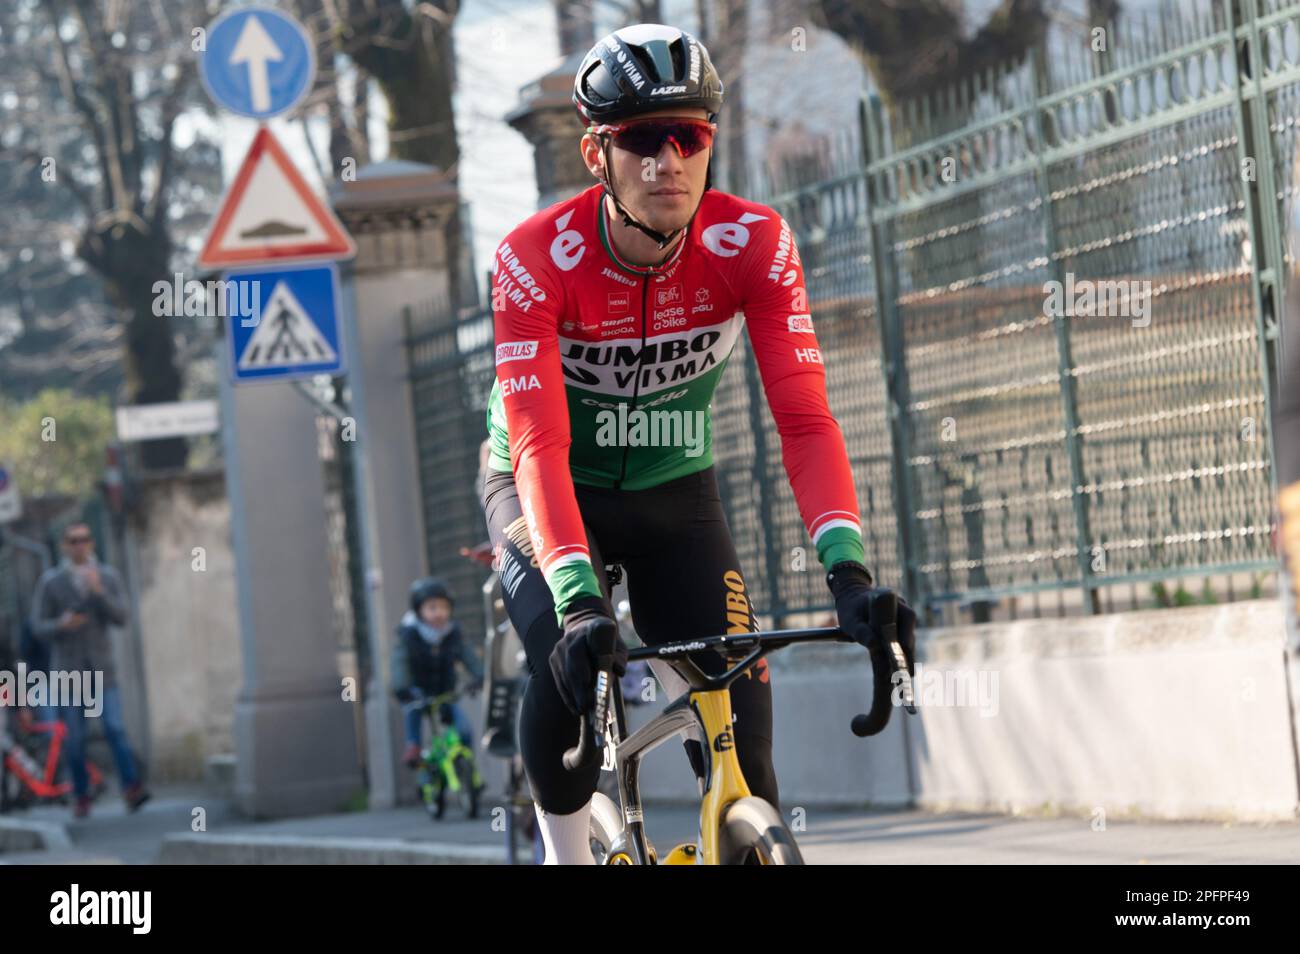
(645,137)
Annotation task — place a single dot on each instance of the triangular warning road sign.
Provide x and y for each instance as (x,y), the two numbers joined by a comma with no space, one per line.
(286,337)
(270,214)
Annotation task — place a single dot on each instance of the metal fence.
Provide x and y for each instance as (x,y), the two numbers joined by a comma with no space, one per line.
(451,372)
(1014,453)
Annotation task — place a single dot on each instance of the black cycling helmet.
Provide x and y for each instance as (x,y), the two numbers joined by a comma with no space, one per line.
(426,589)
(643,68)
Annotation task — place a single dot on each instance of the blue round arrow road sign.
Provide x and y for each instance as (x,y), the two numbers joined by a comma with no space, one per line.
(259,62)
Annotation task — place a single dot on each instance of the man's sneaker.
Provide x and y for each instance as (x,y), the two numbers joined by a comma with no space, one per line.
(135,796)
(82,808)
(412,755)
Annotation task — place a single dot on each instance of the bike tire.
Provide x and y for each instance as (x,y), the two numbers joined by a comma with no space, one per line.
(605,826)
(469,789)
(751,828)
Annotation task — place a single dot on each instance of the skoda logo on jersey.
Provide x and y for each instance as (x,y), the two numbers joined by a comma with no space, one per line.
(728,238)
(567,248)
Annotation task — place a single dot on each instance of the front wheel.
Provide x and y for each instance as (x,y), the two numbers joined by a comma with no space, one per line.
(753,832)
(470,784)
(606,825)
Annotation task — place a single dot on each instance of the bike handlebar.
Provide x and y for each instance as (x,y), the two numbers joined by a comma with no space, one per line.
(888,663)
(888,666)
(591,727)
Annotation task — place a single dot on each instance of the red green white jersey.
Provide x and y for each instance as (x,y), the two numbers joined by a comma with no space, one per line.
(605,370)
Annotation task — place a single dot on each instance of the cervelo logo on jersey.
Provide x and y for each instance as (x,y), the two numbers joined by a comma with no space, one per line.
(516,351)
(567,248)
(520,281)
(801,324)
(786,250)
(728,238)
(525,382)
(670,358)
(614,405)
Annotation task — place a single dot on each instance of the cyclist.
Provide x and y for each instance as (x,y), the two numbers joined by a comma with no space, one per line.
(429,645)
(618,303)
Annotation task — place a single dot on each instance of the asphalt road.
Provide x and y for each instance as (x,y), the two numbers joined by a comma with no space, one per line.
(830,836)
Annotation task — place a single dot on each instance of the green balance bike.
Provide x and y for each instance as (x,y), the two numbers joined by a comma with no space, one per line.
(449,770)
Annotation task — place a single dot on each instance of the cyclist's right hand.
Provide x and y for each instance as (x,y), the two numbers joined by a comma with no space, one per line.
(590,640)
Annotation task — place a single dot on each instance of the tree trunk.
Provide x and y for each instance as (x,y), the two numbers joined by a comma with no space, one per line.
(131,258)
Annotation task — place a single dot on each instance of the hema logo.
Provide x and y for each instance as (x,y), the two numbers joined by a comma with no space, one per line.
(103,907)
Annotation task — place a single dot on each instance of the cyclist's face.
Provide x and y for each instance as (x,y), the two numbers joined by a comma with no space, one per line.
(662,191)
(436,612)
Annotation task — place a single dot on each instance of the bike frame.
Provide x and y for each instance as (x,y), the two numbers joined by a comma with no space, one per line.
(41,779)
(706,703)
(445,744)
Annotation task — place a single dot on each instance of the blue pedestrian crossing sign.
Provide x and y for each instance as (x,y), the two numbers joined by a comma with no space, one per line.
(288,324)
(258,62)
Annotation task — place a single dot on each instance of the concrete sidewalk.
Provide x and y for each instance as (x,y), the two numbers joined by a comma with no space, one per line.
(162,832)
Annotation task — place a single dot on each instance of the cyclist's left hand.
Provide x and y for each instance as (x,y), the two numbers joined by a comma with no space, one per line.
(855,599)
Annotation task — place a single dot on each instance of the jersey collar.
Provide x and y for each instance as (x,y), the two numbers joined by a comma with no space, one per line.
(638,270)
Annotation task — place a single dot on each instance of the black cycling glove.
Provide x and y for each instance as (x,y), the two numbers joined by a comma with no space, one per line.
(858,605)
(590,640)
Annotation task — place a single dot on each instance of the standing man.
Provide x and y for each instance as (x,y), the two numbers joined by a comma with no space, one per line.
(74,604)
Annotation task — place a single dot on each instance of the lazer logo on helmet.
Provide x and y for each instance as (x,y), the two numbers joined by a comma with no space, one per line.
(662,90)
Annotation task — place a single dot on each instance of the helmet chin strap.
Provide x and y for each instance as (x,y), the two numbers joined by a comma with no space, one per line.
(659,238)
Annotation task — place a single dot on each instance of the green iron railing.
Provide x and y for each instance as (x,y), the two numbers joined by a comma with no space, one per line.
(1003,451)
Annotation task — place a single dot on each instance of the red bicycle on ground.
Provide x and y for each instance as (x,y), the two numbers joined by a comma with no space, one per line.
(31,761)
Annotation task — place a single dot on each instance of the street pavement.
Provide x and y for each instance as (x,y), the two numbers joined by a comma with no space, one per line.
(837,836)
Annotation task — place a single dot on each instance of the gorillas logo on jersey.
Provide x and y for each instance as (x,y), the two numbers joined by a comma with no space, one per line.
(671,358)
(728,238)
(567,248)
